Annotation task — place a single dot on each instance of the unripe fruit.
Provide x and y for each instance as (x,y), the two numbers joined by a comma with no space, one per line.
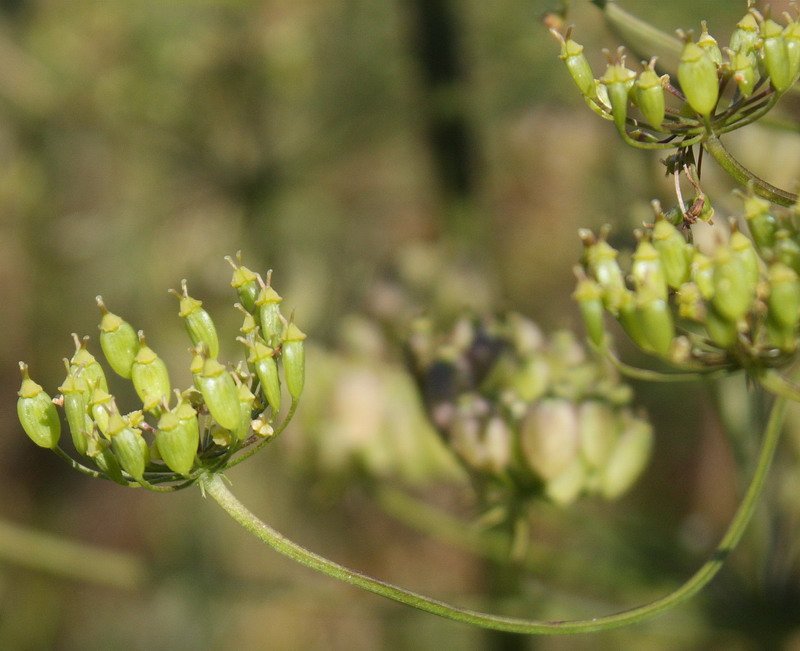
(93,373)
(245,282)
(219,393)
(118,340)
(150,377)
(37,413)
(697,74)
(197,321)
(294,360)
(178,437)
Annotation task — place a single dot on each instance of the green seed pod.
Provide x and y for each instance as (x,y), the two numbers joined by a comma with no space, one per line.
(118,340)
(76,407)
(99,404)
(690,303)
(589,295)
(656,321)
(36,412)
(649,93)
(601,261)
(762,224)
(577,64)
(103,457)
(703,274)
(128,445)
(709,44)
(784,296)
(246,400)
(787,250)
(721,330)
(743,249)
(178,437)
(597,432)
(93,373)
(744,73)
(792,36)
(294,360)
(150,377)
(776,56)
(697,74)
(746,36)
(646,270)
(245,282)
(219,393)
(567,486)
(631,322)
(262,359)
(733,291)
(549,437)
(269,312)
(618,81)
(629,458)
(197,321)
(674,252)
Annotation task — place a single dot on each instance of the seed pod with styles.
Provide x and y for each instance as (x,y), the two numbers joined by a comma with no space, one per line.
(294,360)
(150,377)
(674,252)
(577,64)
(709,44)
(178,437)
(762,224)
(746,36)
(647,271)
(219,393)
(697,74)
(246,400)
(269,312)
(628,459)
(93,373)
(76,407)
(733,291)
(128,445)
(245,282)
(263,362)
(618,81)
(589,295)
(118,340)
(37,413)
(650,96)
(776,56)
(197,321)
(656,320)
(744,73)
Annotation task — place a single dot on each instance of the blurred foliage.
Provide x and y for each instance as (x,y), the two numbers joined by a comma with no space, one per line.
(339,142)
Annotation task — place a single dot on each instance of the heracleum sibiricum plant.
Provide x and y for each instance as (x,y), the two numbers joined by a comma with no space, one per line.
(527,418)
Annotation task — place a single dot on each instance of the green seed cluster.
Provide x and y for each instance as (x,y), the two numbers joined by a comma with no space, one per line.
(526,415)
(761,62)
(737,307)
(175,435)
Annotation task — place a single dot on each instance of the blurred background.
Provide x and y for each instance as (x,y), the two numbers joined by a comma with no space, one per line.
(385,159)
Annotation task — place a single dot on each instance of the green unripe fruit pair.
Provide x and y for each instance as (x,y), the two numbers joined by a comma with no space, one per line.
(262,361)
(245,282)
(589,296)
(118,340)
(128,445)
(674,252)
(219,392)
(93,373)
(269,313)
(197,321)
(577,64)
(697,74)
(618,81)
(37,413)
(150,377)
(178,437)
(294,360)
(777,61)
(649,94)
(76,406)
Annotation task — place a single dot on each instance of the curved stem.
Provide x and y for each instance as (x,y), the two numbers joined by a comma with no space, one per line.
(214,485)
(735,169)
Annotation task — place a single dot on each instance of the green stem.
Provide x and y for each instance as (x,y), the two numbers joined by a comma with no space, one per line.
(735,169)
(214,485)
